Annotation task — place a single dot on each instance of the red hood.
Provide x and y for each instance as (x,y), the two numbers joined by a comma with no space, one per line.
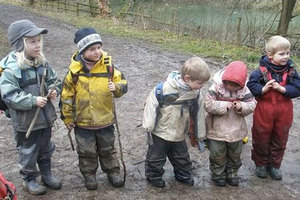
(236,72)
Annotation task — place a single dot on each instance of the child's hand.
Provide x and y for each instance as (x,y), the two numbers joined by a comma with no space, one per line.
(70,126)
(41,101)
(229,105)
(53,94)
(111,86)
(278,87)
(267,87)
(237,105)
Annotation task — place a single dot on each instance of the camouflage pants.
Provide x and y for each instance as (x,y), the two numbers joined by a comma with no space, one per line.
(95,146)
(225,158)
(178,154)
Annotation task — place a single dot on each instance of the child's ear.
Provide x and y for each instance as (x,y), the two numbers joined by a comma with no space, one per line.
(269,54)
(186,78)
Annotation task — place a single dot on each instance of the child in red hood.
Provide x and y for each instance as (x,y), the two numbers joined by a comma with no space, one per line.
(227,102)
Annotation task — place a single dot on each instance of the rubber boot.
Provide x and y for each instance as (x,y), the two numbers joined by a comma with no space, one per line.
(159,182)
(90,181)
(275,173)
(33,187)
(47,178)
(261,171)
(115,180)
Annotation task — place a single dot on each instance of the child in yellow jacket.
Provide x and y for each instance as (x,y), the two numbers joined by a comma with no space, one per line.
(87,106)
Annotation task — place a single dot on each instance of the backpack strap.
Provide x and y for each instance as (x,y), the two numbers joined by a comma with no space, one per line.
(159,94)
(108,74)
(266,74)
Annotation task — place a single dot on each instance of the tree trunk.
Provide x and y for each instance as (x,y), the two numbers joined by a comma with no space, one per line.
(104,7)
(286,16)
(31,2)
(91,8)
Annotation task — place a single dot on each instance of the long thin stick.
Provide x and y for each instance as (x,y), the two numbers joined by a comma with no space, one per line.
(39,108)
(70,139)
(117,127)
(119,140)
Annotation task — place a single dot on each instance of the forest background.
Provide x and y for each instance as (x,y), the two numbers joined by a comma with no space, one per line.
(224,30)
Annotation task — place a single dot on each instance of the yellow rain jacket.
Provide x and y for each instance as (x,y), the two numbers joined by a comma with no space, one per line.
(85,98)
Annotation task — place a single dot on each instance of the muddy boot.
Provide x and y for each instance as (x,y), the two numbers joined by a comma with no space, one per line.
(33,187)
(233,181)
(158,182)
(90,181)
(220,182)
(261,171)
(275,173)
(187,181)
(47,178)
(115,180)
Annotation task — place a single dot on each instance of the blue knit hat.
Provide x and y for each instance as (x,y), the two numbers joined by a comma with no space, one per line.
(86,37)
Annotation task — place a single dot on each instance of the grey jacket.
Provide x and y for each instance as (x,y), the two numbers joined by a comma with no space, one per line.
(19,89)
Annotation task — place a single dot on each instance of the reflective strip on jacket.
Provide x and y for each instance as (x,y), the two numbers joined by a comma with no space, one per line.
(88,102)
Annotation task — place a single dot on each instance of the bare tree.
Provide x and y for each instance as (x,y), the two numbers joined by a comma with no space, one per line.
(31,2)
(286,16)
(104,7)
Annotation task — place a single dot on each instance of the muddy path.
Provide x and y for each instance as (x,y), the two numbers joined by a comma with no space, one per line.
(144,65)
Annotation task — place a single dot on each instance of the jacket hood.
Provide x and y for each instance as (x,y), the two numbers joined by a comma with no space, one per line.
(265,61)
(76,64)
(10,61)
(175,80)
(236,72)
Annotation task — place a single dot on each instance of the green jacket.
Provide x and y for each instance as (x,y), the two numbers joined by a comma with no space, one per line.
(19,89)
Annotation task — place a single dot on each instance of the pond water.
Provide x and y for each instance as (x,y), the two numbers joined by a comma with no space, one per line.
(213,21)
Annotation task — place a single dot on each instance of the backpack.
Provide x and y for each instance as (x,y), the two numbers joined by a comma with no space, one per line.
(2,104)
(7,189)
(169,100)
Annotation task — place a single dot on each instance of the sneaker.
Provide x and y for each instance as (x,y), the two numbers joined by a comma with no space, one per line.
(115,180)
(220,182)
(233,181)
(159,182)
(261,171)
(90,182)
(275,173)
(188,181)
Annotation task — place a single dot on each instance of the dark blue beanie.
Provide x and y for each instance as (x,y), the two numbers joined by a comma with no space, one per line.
(86,37)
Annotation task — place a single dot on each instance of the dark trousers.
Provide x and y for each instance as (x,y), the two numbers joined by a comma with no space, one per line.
(225,158)
(177,153)
(95,146)
(36,149)
(272,119)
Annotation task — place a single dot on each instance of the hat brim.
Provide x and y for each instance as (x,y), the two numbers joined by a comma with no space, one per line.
(36,31)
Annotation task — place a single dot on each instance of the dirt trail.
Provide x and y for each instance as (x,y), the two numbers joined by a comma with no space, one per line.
(144,65)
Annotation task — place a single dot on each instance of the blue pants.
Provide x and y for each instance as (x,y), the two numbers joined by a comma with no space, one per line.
(36,149)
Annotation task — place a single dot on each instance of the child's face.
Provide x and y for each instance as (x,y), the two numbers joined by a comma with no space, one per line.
(33,46)
(195,85)
(93,53)
(280,58)
(231,86)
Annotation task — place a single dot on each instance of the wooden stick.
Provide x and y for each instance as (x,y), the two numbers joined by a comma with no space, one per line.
(39,108)
(70,139)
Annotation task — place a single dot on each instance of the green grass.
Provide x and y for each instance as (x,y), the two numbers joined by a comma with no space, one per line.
(218,51)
